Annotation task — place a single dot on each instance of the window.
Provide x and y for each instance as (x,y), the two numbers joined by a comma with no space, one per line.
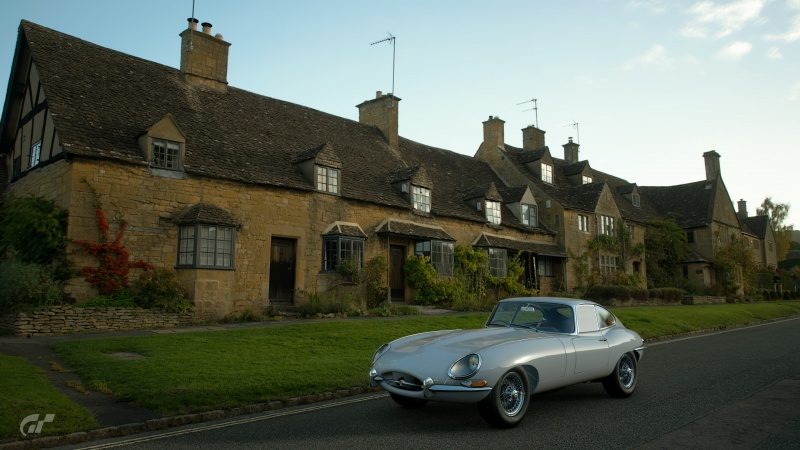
(547,173)
(35,154)
(583,223)
(530,215)
(166,154)
(493,212)
(636,200)
(213,249)
(421,198)
(498,262)
(341,248)
(587,319)
(440,253)
(607,225)
(328,179)
(608,264)
(690,236)
(630,228)
(587,180)
(606,319)
(544,266)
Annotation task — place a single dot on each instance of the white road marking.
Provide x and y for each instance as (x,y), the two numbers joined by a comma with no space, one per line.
(230,423)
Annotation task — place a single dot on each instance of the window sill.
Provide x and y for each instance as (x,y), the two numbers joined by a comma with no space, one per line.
(167,173)
(230,269)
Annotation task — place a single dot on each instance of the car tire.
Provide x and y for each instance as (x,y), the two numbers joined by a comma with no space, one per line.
(508,402)
(622,381)
(408,402)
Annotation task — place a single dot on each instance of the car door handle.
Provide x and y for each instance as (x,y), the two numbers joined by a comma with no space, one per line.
(602,339)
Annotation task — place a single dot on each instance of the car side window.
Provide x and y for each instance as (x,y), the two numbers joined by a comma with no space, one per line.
(605,318)
(587,319)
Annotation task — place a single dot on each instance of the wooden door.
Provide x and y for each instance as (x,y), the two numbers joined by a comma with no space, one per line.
(282,270)
(397,279)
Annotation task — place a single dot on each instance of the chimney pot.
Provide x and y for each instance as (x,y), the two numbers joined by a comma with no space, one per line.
(219,36)
(206,27)
(742,209)
(378,94)
(192,23)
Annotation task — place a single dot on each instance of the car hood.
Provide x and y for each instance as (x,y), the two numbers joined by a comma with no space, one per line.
(458,343)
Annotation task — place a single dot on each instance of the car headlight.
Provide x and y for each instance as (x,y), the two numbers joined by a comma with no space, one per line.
(381,350)
(465,367)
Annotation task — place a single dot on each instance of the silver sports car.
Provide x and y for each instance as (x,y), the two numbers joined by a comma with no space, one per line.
(528,345)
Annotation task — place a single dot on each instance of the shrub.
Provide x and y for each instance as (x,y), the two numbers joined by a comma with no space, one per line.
(25,285)
(668,295)
(328,304)
(640,294)
(605,294)
(160,289)
(372,277)
(120,299)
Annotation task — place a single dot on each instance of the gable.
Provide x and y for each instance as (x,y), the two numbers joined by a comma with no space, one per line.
(722,206)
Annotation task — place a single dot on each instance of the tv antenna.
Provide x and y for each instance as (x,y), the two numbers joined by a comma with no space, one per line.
(535,109)
(577,130)
(390,39)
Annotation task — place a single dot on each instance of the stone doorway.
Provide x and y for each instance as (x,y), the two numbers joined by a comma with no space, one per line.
(283,259)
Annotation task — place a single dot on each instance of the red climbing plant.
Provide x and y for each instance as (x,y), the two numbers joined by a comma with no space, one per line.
(114,263)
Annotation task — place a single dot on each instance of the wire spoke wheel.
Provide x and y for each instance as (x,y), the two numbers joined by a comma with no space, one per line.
(512,394)
(627,372)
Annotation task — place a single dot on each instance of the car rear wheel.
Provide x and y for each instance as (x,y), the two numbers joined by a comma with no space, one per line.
(622,381)
(506,405)
(408,402)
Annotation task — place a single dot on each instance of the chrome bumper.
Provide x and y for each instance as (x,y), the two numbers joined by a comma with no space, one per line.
(639,352)
(431,391)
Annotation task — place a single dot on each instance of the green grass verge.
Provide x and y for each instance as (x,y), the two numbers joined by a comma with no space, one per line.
(199,371)
(26,390)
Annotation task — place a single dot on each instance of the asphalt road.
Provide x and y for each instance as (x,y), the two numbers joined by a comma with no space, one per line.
(737,389)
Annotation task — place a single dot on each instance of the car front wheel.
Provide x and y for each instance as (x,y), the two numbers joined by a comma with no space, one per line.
(506,405)
(622,381)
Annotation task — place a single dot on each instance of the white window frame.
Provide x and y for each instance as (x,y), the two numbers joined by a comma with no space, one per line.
(583,223)
(421,198)
(547,173)
(34,157)
(498,262)
(607,225)
(169,157)
(441,254)
(493,214)
(587,179)
(328,179)
(636,200)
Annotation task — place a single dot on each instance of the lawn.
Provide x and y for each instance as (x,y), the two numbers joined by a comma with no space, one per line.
(26,390)
(207,370)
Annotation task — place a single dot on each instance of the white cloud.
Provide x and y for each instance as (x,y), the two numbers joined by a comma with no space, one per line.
(720,20)
(735,51)
(655,55)
(793,4)
(774,53)
(794,92)
(791,35)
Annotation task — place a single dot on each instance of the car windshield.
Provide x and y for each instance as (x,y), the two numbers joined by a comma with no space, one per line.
(539,316)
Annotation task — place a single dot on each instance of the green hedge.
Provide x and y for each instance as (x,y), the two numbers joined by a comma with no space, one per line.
(26,285)
(667,295)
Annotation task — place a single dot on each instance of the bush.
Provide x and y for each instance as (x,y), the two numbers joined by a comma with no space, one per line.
(27,285)
(372,276)
(668,295)
(639,294)
(120,299)
(605,294)
(160,289)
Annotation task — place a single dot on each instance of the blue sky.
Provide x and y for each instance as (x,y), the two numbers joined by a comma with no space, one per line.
(653,84)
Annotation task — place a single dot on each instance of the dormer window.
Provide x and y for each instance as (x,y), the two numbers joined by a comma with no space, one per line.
(328,179)
(530,215)
(166,154)
(636,200)
(587,180)
(547,173)
(493,212)
(421,198)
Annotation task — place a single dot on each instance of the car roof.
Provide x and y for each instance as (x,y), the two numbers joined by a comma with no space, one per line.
(560,300)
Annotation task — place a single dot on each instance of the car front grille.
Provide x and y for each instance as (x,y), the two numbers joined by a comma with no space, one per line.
(403,381)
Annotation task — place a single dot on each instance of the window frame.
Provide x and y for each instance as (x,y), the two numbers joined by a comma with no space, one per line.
(168,145)
(583,223)
(498,262)
(440,253)
(35,154)
(194,248)
(636,199)
(547,173)
(418,196)
(607,225)
(544,266)
(491,207)
(323,177)
(531,220)
(339,240)
(586,179)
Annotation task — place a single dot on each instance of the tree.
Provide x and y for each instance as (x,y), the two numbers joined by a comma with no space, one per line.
(665,248)
(777,213)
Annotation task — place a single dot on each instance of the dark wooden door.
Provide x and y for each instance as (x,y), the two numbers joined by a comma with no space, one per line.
(281,270)
(397,279)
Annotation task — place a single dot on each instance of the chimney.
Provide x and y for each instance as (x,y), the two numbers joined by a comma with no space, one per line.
(381,112)
(742,209)
(494,132)
(571,151)
(532,138)
(712,165)
(204,58)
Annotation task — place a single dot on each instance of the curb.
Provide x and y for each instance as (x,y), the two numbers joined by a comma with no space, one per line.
(176,421)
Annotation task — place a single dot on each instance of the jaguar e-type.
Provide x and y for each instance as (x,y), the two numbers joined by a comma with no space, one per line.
(528,345)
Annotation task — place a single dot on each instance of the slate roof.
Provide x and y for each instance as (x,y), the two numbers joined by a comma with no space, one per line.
(758,225)
(689,204)
(410,229)
(207,214)
(490,240)
(102,100)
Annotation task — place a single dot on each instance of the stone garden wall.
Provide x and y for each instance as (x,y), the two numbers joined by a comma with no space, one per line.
(65,319)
